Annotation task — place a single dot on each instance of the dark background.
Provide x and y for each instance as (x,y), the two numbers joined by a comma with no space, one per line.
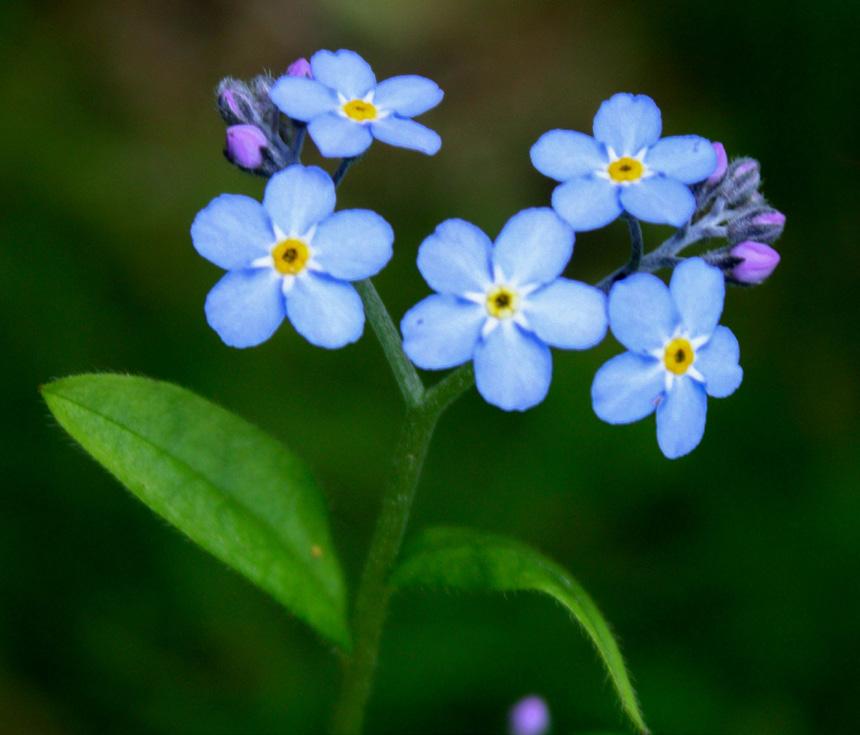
(729,576)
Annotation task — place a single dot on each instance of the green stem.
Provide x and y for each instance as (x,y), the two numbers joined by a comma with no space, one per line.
(373,593)
(450,388)
(380,320)
(423,409)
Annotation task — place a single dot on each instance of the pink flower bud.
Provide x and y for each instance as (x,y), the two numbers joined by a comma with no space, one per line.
(758,261)
(772,218)
(741,182)
(245,146)
(300,68)
(722,163)
(235,101)
(229,98)
(529,716)
(763,225)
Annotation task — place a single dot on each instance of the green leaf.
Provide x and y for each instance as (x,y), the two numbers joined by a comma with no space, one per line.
(227,485)
(460,558)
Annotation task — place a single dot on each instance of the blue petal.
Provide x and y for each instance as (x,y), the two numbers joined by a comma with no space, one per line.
(566,154)
(302,99)
(627,388)
(338,137)
(353,244)
(687,158)
(533,247)
(456,258)
(513,369)
(408,95)
(587,202)
(405,133)
(681,417)
(628,123)
(441,331)
(299,197)
(641,313)
(567,314)
(660,200)
(717,361)
(326,312)
(344,71)
(231,231)
(698,290)
(246,306)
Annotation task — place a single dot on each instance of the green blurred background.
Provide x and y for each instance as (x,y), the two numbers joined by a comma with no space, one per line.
(729,576)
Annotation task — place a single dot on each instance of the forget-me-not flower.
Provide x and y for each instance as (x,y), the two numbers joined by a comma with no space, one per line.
(624,167)
(345,108)
(678,354)
(290,256)
(501,305)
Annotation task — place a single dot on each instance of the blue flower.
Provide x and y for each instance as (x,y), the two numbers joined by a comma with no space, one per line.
(624,167)
(501,305)
(678,354)
(345,108)
(289,256)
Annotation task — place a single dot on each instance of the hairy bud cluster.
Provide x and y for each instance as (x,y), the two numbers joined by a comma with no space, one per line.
(256,129)
(732,198)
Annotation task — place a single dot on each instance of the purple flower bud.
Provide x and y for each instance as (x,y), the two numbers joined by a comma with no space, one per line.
(758,261)
(761,225)
(529,716)
(230,102)
(235,101)
(722,163)
(741,181)
(770,218)
(300,68)
(245,145)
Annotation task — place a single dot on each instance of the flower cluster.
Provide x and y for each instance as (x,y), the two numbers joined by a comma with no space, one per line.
(498,305)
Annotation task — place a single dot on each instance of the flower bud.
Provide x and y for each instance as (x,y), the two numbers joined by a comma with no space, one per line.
(758,261)
(245,146)
(235,101)
(529,716)
(300,68)
(764,225)
(741,181)
(261,85)
(722,164)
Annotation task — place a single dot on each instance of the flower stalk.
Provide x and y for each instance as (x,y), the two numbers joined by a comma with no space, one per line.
(374,593)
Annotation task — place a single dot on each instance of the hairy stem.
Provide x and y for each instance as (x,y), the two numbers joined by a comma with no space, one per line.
(373,593)
(380,320)
(371,604)
(665,255)
(345,165)
(423,409)
(300,130)
(637,244)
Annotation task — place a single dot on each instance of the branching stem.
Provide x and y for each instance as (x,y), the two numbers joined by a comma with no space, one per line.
(423,409)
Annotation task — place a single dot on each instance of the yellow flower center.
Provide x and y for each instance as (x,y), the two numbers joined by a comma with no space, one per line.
(359,110)
(502,302)
(290,256)
(678,356)
(626,169)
